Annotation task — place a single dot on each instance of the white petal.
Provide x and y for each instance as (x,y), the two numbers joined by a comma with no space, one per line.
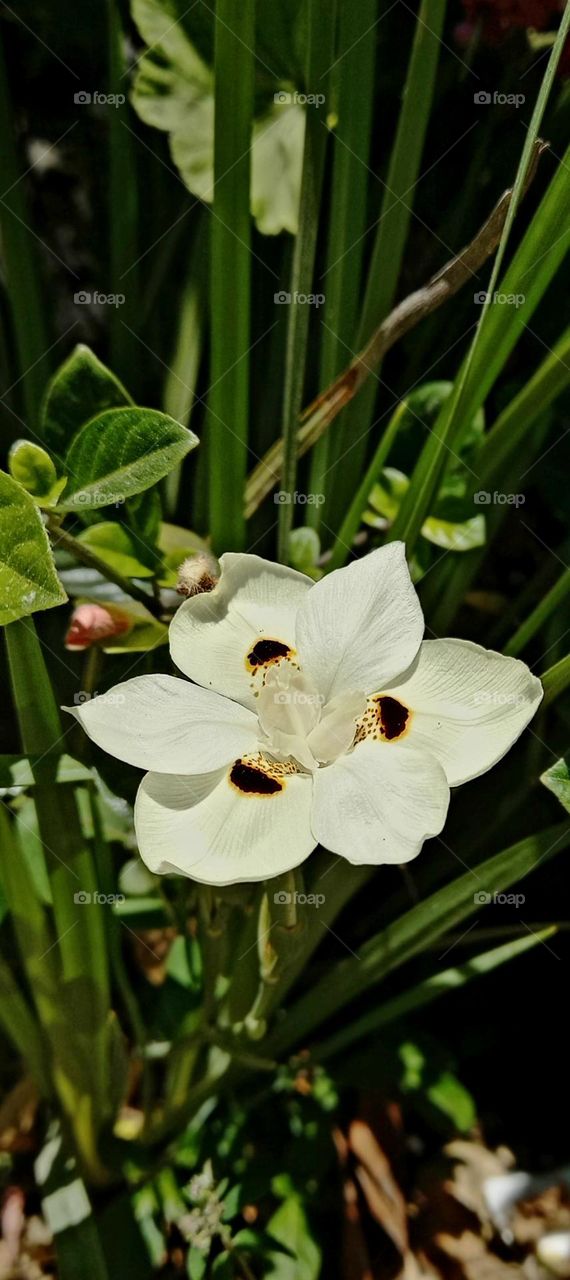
(163,723)
(469,704)
(360,626)
(203,827)
(212,634)
(379,804)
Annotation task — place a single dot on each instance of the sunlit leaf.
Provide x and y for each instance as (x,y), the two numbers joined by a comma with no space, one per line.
(121,453)
(28,580)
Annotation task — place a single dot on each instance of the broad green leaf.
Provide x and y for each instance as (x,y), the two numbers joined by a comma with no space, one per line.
(144,514)
(33,468)
(80,389)
(28,580)
(120,453)
(557,779)
(113,543)
(196,1263)
(448,527)
(441,1087)
(174,91)
(290,1227)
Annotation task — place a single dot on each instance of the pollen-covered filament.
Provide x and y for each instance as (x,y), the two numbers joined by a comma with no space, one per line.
(299,724)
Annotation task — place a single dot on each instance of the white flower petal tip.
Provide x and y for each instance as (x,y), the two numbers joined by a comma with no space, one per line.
(360,626)
(554,1252)
(165,724)
(469,704)
(212,634)
(380,804)
(232,827)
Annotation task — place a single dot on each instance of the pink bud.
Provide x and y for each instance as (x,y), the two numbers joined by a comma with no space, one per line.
(91,623)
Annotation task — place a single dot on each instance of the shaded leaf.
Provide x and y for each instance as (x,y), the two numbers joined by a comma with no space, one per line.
(80,389)
(174,91)
(289,1225)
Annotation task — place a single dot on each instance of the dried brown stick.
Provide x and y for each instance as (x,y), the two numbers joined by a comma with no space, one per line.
(325,408)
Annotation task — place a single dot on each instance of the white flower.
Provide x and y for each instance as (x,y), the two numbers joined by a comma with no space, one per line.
(318,715)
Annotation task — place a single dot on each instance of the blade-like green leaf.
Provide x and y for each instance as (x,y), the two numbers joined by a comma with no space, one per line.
(28,580)
(533,266)
(422,994)
(120,453)
(413,932)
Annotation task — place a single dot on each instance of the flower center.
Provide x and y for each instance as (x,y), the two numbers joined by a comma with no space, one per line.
(299,724)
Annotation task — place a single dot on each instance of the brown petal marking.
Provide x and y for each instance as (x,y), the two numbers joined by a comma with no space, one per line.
(267,651)
(250,780)
(385,719)
(393,716)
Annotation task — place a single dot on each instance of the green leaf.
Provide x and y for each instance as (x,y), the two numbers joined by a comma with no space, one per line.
(412,933)
(431,988)
(80,389)
(33,468)
(449,527)
(113,543)
(223,1267)
(557,779)
(290,1227)
(174,91)
(122,452)
(304,551)
(196,1263)
(28,580)
(436,1084)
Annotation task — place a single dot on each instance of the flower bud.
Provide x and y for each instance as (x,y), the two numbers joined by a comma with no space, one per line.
(197,574)
(92,623)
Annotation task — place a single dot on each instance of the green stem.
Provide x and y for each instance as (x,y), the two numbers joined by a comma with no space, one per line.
(19,254)
(319,59)
(392,231)
(555,597)
(122,208)
(342,547)
(354,71)
(555,681)
(84,555)
(230,272)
